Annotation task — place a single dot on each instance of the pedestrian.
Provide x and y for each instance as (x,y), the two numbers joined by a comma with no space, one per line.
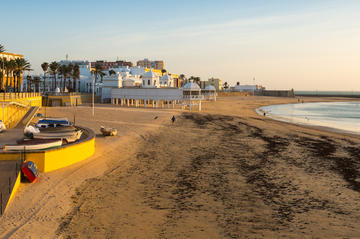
(173,119)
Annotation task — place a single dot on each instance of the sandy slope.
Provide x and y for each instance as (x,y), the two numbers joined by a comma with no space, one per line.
(37,209)
(224,173)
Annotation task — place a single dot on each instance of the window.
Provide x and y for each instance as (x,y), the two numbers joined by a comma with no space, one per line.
(148,82)
(143,82)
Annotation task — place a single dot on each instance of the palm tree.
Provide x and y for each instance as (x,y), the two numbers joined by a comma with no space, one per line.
(54,66)
(112,72)
(2,62)
(97,71)
(163,71)
(76,75)
(2,72)
(182,79)
(36,83)
(62,71)
(69,71)
(29,81)
(21,66)
(238,83)
(226,85)
(45,67)
(10,67)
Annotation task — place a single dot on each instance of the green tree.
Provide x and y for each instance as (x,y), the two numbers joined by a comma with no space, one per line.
(97,71)
(238,83)
(10,67)
(21,66)
(163,71)
(28,83)
(226,85)
(2,65)
(75,76)
(54,66)
(63,71)
(112,72)
(45,68)
(69,71)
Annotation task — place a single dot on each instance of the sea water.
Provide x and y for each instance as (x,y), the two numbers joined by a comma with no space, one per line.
(343,116)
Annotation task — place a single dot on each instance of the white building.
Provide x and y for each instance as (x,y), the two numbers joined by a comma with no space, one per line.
(110,82)
(166,81)
(192,95)
(209,93)
(150,80)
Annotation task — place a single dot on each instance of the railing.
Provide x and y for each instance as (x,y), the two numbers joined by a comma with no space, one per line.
(64,93)
(14,112)
(193,97)
(14,96)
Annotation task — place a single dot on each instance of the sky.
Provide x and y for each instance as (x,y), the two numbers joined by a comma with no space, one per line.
(304,45)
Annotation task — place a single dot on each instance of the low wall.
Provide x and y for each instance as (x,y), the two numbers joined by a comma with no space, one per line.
(277,93)
(53,159)
(224,93)
(68,99)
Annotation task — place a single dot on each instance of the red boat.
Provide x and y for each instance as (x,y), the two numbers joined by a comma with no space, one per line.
(30,171)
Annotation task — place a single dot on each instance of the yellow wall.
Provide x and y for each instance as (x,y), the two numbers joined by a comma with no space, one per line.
(15,188)
(53,159)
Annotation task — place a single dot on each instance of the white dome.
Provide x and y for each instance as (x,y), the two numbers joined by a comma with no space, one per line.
(192,86)
(150,74)
(210,88)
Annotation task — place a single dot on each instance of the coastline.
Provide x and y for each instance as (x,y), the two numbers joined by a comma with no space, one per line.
(314,124)
(225,172)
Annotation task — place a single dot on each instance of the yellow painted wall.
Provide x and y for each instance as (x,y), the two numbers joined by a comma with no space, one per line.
(50,160)
(15,188)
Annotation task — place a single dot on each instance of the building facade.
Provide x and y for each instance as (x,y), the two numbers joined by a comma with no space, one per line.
(106,65)
(216,82)
(8,79)
(146,63)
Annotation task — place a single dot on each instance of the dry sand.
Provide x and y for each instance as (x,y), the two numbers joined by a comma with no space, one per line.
(224,173)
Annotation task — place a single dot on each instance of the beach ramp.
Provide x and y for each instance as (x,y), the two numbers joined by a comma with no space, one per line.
(27,117)
(9,181)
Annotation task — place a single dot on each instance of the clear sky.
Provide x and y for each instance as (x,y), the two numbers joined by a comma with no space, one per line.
(305,45)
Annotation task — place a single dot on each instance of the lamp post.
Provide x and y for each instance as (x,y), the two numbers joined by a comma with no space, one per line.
(93,95)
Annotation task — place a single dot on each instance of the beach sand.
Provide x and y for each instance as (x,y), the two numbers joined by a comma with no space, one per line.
(223,173)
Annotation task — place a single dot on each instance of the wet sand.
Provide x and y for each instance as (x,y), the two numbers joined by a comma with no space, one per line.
(224,173)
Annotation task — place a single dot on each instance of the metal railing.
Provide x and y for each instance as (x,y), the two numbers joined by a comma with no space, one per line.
(193,97)
(20,95)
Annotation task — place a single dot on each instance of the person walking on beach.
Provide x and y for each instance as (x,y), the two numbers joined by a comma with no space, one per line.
(173,119)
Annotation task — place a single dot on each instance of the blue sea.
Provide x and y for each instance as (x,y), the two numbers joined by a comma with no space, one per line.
(344,116)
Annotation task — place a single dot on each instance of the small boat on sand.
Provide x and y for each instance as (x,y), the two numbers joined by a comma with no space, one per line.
(58,129)
(52,122)
(69,136)
(33,144)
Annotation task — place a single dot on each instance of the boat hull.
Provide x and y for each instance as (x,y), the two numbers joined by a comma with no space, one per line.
(33,145)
